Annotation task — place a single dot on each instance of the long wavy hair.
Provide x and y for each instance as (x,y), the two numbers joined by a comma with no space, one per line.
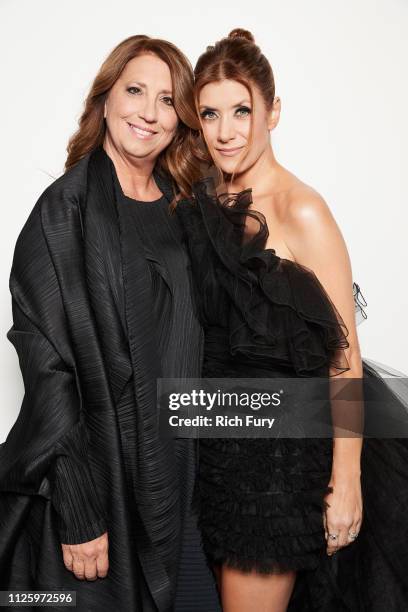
(178,158)
(238,58)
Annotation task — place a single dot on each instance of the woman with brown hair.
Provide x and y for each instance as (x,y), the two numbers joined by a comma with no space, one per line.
(282,517)
(101,308)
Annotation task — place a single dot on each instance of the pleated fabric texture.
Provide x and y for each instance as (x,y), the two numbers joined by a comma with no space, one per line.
(260,501)
(160,235)
(84,455)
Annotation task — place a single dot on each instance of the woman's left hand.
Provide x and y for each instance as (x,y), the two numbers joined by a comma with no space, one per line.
(344,515)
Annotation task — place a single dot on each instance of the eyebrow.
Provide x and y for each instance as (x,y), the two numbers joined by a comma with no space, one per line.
(166,91)
(211,108)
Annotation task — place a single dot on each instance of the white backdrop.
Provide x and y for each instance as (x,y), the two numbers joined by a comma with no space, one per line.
(341,73)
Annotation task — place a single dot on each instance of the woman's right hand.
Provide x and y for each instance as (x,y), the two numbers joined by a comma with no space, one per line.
(88,560)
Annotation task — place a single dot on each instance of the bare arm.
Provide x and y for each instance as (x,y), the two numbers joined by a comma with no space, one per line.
(316,242)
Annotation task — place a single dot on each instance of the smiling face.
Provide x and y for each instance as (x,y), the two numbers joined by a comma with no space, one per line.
(140,117)
(226,115)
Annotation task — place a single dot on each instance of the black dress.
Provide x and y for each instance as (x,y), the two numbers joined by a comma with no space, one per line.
(260,501)
(160,234)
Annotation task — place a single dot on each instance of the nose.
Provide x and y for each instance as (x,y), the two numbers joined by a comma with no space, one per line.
(148,109)
(226,130)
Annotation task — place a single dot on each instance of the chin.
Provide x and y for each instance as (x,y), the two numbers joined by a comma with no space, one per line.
(144,149)
(138,149)
(230,165)
(229,168)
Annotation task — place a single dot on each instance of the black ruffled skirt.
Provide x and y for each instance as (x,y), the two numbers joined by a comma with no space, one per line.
(260,501)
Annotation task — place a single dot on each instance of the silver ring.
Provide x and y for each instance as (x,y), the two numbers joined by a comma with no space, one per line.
(333,536)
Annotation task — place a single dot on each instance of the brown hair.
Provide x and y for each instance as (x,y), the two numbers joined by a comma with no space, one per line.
(177,158)
(238,58)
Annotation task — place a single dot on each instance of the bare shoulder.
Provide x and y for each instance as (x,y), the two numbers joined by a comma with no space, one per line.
(304,205)
(316,242)
(300,218)
(310,227)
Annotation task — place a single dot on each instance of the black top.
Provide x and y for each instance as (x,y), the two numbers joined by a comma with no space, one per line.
(161,236)
(270,310)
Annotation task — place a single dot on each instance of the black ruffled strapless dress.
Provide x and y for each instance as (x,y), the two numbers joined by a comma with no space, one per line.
(260,501)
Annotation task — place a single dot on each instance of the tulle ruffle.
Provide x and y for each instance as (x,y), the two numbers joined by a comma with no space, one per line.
(359,304)
(297,325)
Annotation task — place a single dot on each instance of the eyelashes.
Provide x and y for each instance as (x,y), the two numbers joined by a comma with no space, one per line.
(242,111)
(133,90)
(245,110)
(206,114)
